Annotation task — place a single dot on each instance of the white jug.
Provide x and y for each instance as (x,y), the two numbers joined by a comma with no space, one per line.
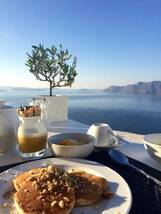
(8,127)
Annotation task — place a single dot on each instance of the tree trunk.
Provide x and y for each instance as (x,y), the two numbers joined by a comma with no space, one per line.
(51,90)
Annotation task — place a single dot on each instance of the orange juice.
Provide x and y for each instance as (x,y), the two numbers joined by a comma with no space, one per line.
(32,143)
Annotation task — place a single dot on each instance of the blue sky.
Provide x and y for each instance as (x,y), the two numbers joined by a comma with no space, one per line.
(116,41)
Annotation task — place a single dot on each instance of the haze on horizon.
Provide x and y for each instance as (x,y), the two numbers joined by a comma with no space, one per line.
(116,42)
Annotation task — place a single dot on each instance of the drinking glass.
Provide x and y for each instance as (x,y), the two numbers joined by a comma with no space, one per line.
(32,137)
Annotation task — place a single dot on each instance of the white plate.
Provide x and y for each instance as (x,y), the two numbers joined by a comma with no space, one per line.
(119,204)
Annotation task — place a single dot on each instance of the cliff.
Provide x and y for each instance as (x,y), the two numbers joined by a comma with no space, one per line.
(151,88)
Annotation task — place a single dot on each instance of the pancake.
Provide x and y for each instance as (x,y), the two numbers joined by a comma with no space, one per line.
(21,178)
(89,188)
(47,191)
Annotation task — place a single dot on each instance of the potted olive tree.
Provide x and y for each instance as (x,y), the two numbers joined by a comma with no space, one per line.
(56,67)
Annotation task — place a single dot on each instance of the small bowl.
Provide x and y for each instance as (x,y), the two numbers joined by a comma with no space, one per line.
(152,143)
(81,150)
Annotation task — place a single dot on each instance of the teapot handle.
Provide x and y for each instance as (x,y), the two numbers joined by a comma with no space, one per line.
(113,135)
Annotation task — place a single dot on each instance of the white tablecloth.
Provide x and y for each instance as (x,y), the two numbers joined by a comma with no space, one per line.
(132,146)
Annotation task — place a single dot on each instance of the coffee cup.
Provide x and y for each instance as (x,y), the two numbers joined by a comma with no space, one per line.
(104,136)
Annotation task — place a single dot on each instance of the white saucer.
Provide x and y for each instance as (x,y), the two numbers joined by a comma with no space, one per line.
(117,143)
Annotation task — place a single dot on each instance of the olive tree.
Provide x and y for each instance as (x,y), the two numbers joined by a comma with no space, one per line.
(52,65)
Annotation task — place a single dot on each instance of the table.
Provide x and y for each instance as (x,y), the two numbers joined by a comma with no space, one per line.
(146,194)
(132,144)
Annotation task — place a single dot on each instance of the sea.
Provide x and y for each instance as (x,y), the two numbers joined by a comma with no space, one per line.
(125,112)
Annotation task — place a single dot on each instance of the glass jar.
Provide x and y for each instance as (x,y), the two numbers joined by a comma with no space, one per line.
(8,127)
(32,137)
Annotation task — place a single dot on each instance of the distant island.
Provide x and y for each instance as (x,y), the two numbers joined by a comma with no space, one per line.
(85,89)
(151,88)
(27,89)
(12,88)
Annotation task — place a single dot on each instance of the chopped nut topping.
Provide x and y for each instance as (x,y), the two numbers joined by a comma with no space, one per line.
(53,203)
(31,178)
(68,190)
(40,197)
(61,204)
(48,182)
(50,167)
(34,183)
(44,191)
(52,187)
(55,183)
(66,198)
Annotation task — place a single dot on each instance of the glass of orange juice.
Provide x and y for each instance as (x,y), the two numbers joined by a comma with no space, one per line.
(32,137)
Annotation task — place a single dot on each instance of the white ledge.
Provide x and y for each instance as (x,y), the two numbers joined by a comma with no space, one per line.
(131,137)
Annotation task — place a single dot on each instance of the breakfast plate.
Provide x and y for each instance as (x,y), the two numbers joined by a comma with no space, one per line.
(119,203)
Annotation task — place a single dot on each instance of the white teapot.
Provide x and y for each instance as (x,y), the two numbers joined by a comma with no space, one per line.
(8,127)
(103,134)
